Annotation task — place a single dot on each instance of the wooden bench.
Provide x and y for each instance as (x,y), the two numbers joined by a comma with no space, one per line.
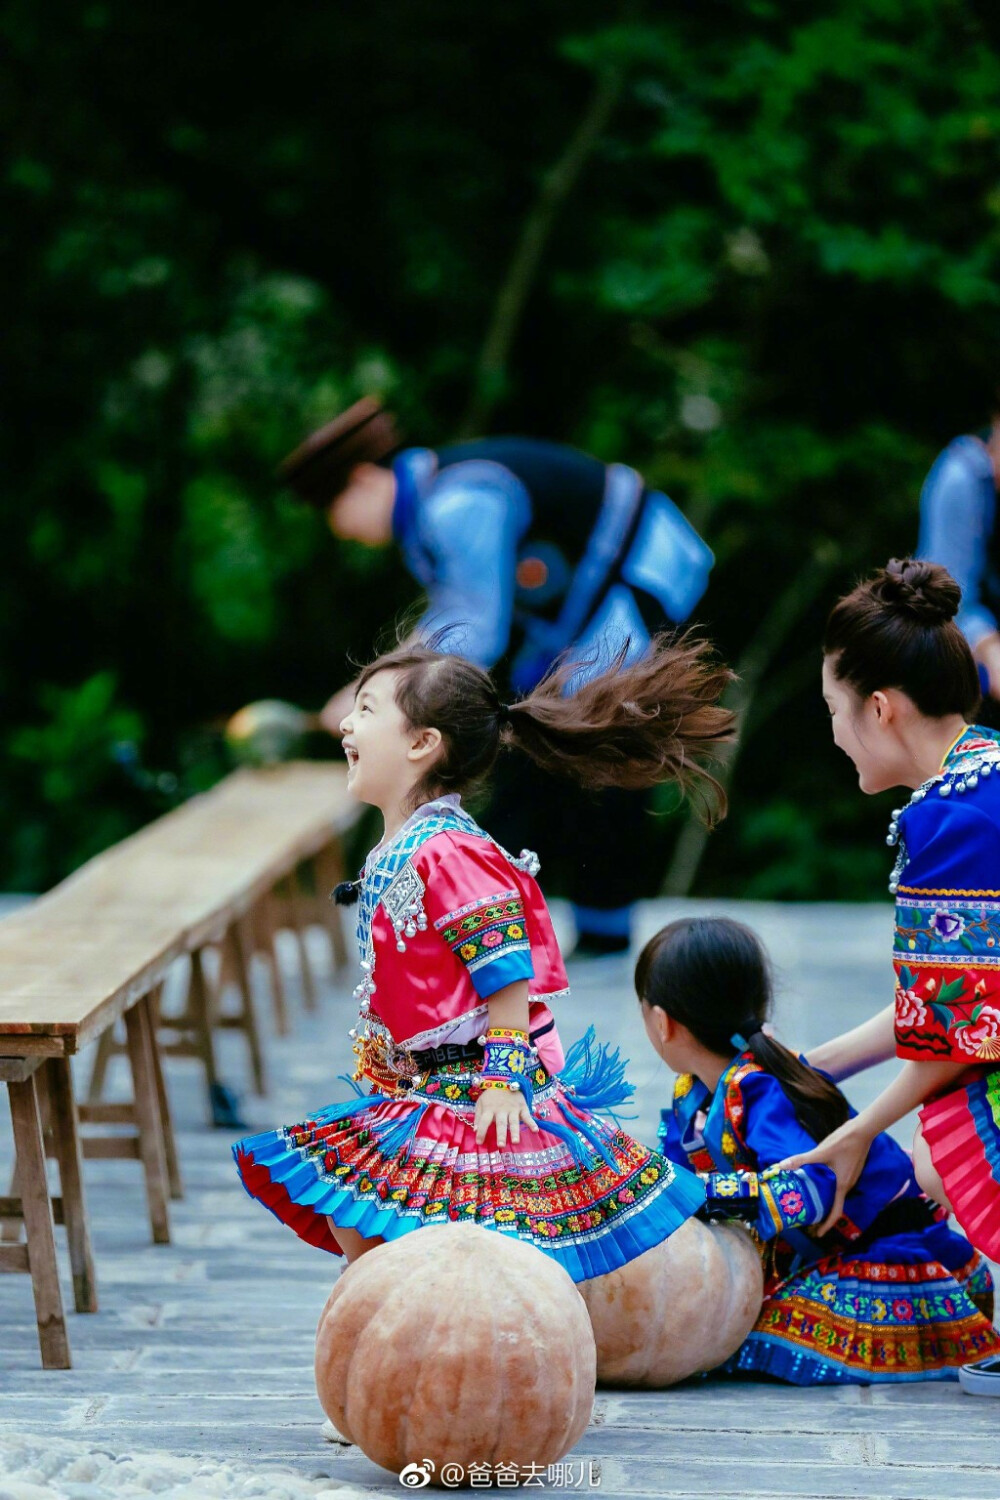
(234,861)
(97,949)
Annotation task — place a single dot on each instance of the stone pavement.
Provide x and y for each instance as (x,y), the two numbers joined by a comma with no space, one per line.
(203,1348)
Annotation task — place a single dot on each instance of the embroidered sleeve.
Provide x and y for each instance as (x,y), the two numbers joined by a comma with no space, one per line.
(947,940)
(770,1131)
(478,911)
(771,1201)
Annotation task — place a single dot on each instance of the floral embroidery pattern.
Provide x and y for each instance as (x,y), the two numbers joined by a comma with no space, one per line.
(947,958)
(569,1203)
(947,925)
(910,1009)
(929,927)
(980,1035)
(869,1321)
(941,1017)
(788,1201)
(481,933)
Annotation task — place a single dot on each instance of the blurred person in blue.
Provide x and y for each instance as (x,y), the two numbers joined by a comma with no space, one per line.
(958,529)
(526,550)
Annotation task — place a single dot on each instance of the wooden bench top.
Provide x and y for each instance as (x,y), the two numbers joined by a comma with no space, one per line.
(73,960)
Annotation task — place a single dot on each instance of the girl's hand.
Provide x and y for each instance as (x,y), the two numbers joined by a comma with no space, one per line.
(507,1110)
(845,1153)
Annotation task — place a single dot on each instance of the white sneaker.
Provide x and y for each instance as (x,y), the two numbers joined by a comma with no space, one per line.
(331,1435)
(982,1378)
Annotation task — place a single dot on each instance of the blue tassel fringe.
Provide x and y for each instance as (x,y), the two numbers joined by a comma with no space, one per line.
(399,1135)
(596,1075)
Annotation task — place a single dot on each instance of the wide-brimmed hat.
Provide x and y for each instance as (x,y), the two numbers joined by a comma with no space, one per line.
(320,467)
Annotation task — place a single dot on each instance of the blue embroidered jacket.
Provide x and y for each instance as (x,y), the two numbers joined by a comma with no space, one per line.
(530,548)
(736,1134)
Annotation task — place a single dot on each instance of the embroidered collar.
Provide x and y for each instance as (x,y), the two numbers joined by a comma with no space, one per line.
(972,757)
(973,740)
(717,1137)
(387,859)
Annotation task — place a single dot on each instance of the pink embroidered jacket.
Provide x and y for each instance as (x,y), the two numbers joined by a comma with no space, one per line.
(446,919)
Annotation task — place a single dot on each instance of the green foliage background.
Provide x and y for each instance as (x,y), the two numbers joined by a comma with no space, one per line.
(768,278)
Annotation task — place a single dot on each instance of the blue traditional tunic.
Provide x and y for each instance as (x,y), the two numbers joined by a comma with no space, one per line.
(532,548)
(947,961)
(891,1293)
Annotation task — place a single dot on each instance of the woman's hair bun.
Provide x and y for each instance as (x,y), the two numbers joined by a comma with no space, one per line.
(923,590)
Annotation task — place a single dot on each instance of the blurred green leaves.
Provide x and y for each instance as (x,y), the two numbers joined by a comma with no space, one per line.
(772,288)
(79,801)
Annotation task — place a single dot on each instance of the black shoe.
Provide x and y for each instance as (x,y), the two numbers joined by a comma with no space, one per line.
(600,944)
(225,1108)
(982,1378)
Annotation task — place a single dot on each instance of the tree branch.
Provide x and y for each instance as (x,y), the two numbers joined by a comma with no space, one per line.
(491,368)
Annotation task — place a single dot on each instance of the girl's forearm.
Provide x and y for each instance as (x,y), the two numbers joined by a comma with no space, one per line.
(870,1043)
(915,1083)
(509,1006)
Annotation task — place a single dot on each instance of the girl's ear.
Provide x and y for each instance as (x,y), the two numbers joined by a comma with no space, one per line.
(664,1028)
(425,742)
(883,706)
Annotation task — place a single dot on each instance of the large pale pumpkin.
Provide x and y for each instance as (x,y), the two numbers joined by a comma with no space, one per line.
(682,1307)
(458,1345)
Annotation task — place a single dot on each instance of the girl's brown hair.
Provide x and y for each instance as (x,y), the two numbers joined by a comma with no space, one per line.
(656,719)
(897,630)
(712,975)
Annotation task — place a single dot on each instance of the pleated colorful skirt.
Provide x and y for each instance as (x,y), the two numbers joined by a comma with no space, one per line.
(962,1131)
(915,1307)
(579,1188)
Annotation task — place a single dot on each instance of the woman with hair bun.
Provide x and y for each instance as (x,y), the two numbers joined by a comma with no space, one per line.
(902,689)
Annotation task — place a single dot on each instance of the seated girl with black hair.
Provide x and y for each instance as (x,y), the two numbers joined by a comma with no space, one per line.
(890,1292)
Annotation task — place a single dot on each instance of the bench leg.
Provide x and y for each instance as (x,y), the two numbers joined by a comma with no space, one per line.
(259,936)
(10,1229)
(163,1099)
(298,908)
(66,1140)
(200,1000)
(36,1206)
(240,948)
(107,1048)
(329,867)
(141,1043)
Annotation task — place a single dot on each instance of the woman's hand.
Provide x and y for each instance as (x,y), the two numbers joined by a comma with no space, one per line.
(844,1152)
(506,1109)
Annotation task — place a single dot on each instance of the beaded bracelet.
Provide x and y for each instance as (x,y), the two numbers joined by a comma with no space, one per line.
(507,1060)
